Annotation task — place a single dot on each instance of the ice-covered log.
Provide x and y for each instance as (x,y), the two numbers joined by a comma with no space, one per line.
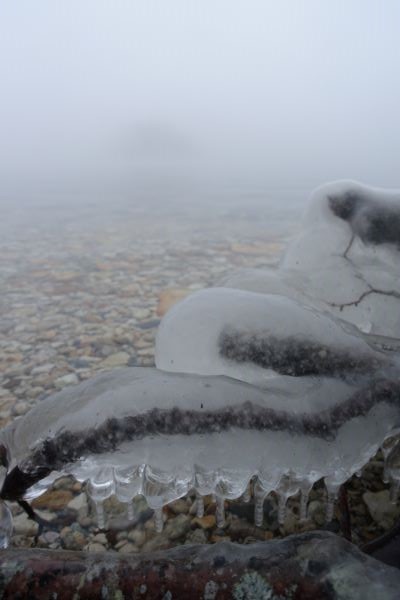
(313,565)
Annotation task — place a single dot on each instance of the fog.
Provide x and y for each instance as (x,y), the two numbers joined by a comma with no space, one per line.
(102,98)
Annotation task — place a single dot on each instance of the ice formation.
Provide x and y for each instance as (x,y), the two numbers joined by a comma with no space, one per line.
(143,431)
(268,383)
(255,337)
(324,318)
(345,259)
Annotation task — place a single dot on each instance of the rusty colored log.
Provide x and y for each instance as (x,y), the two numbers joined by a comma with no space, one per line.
(317,565)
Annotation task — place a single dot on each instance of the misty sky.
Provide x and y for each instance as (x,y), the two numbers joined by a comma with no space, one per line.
(105,95)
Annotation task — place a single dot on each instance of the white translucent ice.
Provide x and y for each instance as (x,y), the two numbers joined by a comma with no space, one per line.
(192,336)
(164,466)
(345,259)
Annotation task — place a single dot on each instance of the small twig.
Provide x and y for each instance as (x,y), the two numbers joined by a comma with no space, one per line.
(349,245)
(390,293)
(42,523)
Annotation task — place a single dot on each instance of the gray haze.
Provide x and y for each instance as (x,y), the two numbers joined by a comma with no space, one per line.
(107,96)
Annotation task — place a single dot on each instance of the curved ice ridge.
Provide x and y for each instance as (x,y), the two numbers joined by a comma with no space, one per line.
(143,431)
(330,312)
(253,337)
(345,259)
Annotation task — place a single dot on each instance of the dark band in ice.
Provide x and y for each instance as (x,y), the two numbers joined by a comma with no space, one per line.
(68,447)
(374,222)
(291,355)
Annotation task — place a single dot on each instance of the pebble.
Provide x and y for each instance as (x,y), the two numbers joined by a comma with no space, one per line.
(52,499)
(20,408)
(206,522)
(381,509)
(197,536)
(64,483)
(70,379)
(177,527)
(128,548)
(79,502)
(49,537)
(73,540)
(179,506)
(316,512)
(137,536)
(100,538)
(40,369)
(25,526)
(119,359)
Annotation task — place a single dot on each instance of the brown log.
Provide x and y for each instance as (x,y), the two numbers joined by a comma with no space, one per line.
(317,565)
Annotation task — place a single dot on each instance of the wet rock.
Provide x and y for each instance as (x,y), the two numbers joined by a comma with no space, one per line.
(53,500)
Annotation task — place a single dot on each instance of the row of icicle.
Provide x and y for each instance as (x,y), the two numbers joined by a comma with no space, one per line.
(391,453)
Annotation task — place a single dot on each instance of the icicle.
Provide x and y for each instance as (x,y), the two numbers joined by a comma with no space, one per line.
(6,525)
(220,512)
(394,490)
(158,519)
(130,511)
(385,474)
(282,499)
(128,484)
(259,496)
(199,506)
(100,487)
(213,498)
(100,515)
(303,504)
(391,453)
(330,505)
